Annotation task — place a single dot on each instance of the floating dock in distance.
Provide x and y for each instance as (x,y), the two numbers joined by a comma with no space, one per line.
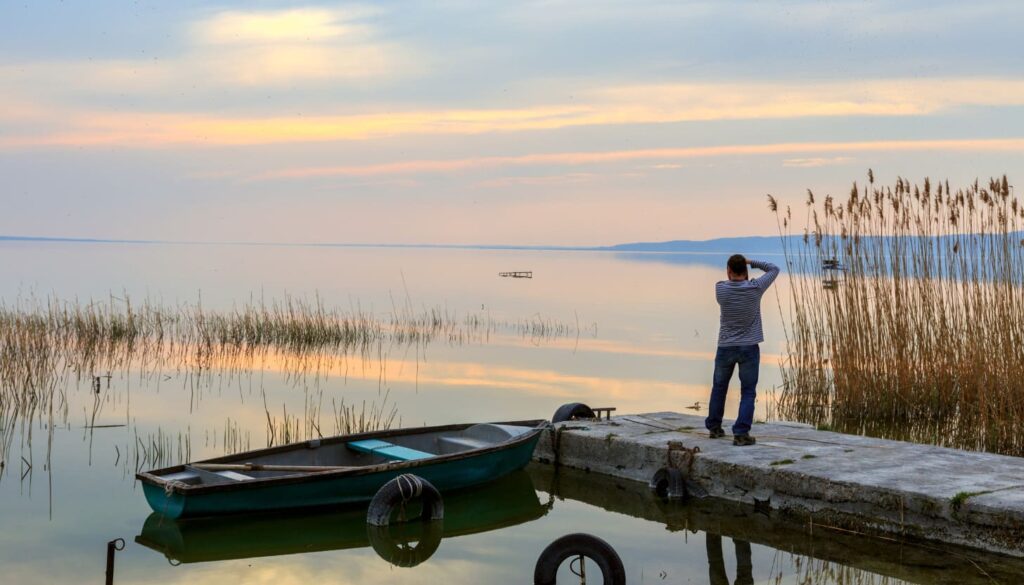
(826,479)
(517,274)
(832,264)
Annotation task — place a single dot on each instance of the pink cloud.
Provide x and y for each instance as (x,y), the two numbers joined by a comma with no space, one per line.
(658,154)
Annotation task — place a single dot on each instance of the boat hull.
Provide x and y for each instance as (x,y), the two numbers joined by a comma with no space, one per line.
(507,501)
(334,489)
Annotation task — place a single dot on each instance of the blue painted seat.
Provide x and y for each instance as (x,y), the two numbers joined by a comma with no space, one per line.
(388,450)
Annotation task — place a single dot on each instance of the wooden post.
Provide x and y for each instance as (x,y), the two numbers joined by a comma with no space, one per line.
(112,546)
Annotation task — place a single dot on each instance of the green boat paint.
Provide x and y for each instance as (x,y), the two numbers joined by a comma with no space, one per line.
(341,487)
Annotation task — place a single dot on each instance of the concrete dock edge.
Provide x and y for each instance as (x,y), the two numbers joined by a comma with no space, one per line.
(916,491)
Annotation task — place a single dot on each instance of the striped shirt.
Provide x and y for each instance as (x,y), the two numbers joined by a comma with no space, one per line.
(741,306)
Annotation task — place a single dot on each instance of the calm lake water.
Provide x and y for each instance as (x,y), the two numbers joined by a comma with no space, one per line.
(636,332)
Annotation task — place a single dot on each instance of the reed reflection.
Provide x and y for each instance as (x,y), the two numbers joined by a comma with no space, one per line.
(60,359)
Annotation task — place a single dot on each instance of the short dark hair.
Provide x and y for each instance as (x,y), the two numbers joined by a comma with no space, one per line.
(738,264)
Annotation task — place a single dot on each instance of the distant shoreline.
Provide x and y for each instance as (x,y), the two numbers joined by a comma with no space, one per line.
(759,244)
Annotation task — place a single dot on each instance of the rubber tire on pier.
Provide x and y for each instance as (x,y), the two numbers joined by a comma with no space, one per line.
(587,545)
(669,483)
(572,411)
(398,551)
(398,492)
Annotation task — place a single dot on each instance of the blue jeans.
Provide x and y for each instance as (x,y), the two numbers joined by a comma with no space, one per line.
(749,359)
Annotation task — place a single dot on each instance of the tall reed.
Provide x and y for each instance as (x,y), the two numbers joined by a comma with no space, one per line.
(42,338)
(922,336)
(48,345)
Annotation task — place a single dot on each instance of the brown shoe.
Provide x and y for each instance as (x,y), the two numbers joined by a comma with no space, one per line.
(743,440)
(716,433)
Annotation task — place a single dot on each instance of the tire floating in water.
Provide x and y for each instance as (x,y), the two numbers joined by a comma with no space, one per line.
(400,491)
(579,545)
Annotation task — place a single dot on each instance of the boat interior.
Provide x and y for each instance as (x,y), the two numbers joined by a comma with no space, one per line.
(306,456)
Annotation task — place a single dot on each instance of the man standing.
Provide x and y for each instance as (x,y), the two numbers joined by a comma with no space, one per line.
(738,337)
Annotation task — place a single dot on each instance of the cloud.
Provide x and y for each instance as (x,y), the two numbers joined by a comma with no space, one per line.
(234,27)
(159,129)
(537,181)
(273,47)
(620,105)
(761,100)
(662,154)
(246,50)
(816,161)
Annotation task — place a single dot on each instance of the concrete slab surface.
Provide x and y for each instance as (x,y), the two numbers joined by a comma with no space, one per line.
(847,481)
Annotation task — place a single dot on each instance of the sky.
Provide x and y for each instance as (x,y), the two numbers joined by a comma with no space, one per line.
(555,122)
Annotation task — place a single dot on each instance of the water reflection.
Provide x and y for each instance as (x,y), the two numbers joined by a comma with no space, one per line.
(657,324)
(57,357)
(716,563)
(506,502)
(511,524)
(812,553)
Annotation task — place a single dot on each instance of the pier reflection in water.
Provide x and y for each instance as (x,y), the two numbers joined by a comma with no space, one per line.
(799,552)
(516,516)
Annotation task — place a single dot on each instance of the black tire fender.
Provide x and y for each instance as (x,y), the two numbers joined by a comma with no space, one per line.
(587,545)
(397,549)
(669,483)
(571,411)
(398,492)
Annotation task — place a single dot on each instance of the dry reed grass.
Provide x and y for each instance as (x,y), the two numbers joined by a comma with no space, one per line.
(47,345)
(922,338)
(42,338)
(346,419)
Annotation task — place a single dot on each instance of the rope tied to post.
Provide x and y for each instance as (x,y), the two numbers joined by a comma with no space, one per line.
(556,440)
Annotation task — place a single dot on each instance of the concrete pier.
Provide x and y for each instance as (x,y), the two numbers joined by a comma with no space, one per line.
(918,492)
(909,562)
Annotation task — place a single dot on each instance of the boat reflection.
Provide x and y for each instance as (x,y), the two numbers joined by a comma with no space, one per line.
(505,502)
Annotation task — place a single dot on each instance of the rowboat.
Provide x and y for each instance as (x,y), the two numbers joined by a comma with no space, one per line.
(505,502)
(346,469)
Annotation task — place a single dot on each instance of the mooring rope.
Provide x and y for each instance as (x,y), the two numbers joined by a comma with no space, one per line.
(169,486)
(556,440)
(409,486)
(691,454)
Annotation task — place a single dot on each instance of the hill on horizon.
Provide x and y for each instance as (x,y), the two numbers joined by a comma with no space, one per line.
(737,245)
(761,244)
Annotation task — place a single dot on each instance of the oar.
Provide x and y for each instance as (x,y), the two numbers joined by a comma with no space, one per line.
(261,467)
